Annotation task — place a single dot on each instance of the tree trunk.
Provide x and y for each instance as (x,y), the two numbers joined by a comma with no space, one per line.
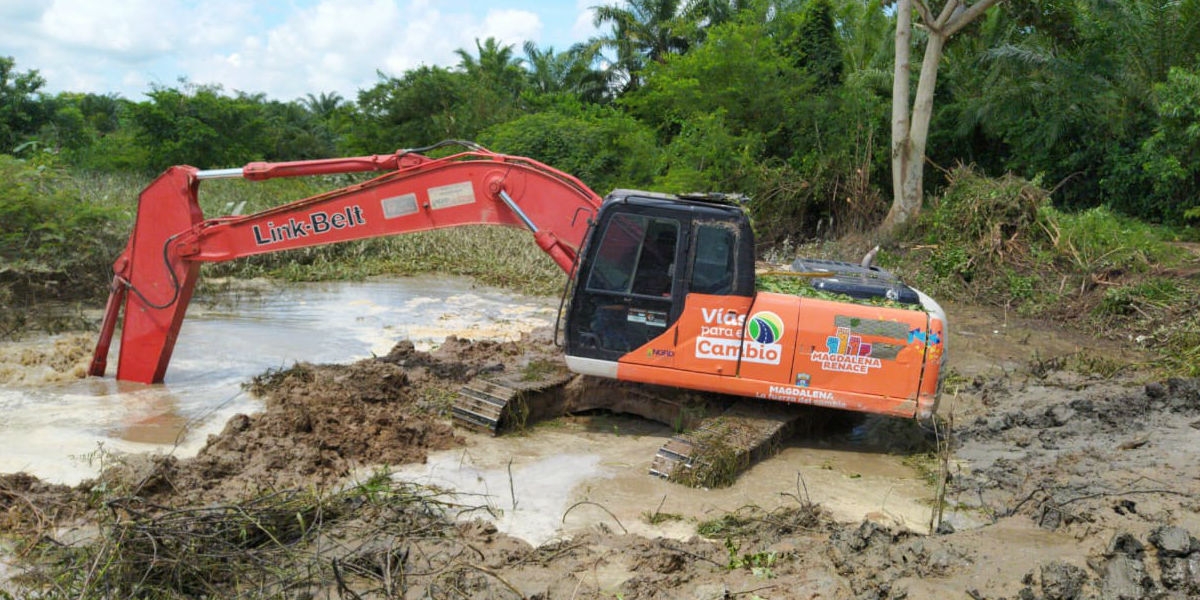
(910,124)
(902,207)
(909,136)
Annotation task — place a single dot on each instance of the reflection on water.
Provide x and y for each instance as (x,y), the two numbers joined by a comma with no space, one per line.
(51,429)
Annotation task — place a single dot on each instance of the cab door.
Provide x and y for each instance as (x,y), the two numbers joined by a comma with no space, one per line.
(718,299)
(627,291)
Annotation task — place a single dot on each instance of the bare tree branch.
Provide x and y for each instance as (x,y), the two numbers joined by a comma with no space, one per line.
(947,12)
(962,19)
(926,15)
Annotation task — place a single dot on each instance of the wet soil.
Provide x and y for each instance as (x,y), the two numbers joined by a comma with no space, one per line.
(1059,482)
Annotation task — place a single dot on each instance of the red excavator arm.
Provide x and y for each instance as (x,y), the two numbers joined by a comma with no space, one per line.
(157,271)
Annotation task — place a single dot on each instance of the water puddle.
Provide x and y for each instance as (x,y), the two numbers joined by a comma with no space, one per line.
(570,475)
(55,425)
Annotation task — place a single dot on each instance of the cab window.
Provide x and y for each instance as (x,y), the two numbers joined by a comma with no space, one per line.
(636,256)
(714,259)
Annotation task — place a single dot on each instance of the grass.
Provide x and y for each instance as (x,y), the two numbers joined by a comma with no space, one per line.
(715,463)
(658,517)
(496,256)
(999,242)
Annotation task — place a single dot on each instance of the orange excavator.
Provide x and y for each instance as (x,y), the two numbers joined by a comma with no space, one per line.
(661,288)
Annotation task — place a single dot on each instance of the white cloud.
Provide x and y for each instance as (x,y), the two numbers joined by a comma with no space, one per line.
(339,45)
(583,28)
(510,27)
(285,49)
(136,30)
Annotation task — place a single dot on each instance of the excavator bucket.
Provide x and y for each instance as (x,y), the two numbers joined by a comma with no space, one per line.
(153,282)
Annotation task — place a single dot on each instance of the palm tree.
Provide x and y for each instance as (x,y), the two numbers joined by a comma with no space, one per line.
(644,31)
(571,72)
(324,105)
(496,65)
(715,12)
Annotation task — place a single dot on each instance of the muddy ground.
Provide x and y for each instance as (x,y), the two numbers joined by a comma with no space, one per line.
(1071,473)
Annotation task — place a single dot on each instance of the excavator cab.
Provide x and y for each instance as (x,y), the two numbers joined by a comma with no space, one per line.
(645,254)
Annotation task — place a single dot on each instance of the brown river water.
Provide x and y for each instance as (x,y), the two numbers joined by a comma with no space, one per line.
(53,425)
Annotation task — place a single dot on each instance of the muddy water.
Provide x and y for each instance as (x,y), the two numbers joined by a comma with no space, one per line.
(563,476)
(55,422)
(574,474)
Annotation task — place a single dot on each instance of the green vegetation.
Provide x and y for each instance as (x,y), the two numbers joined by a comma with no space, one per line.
(1000,242)
(758,563)
(50,234)
(797,284)
(1078,120)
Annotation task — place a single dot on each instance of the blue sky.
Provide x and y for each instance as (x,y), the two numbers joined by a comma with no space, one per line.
(284,49)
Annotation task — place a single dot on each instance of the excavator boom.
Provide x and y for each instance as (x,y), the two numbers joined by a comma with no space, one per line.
(156,273)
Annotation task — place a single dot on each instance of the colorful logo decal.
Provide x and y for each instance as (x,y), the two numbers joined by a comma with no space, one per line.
(919,335)
(846,353)
(721,336)
(765,327)
(931,340)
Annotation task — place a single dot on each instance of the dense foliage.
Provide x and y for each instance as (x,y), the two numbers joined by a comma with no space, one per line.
(1080,120)
(787,101)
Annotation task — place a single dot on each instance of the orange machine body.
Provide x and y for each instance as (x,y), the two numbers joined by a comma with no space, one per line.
(800,350)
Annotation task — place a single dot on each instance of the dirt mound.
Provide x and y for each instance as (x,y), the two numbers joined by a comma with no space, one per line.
(322,422)
(27,501)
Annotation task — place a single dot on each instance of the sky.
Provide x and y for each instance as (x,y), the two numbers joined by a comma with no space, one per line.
(285,49)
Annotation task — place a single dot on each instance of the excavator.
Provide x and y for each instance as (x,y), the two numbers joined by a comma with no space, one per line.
(661,290)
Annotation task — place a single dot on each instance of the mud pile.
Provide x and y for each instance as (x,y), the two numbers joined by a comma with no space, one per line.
(320,423)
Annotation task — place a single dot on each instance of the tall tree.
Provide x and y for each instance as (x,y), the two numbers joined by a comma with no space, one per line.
(22,111)
(644,31)
(199,125)
(324,105)
(911,115)
(422,107)
(496,78)
(810,40)
(495,65)
(572,72)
